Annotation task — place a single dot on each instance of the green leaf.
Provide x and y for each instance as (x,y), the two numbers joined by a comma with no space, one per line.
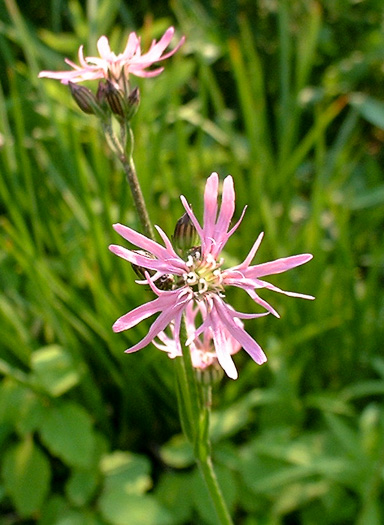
(55,506)
(177,452)
(120,508)
(26,473)
(31,414)
(54,370)
(123,469)
(122,500)
(174,492)
(81,486)
(12,397)
(346,436)
(77,517)
(67,432)
(58,512)
(369,108)
(19,407)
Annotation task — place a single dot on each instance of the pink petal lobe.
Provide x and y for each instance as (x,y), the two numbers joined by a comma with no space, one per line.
(143,261)
(210,206)
(277,266)
(246,341)
(247,261)
(103,49)
(270,286)
(145,74)
(164,319)
(221,345)
(227,207)
(140,313)
(193,218)
(175,262)
(133,43)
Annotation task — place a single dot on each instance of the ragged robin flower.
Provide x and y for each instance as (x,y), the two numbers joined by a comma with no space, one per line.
(117,68)
(199,279)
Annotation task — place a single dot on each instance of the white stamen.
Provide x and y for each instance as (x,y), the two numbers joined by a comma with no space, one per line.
(191,278)
(203,285)
(190,263)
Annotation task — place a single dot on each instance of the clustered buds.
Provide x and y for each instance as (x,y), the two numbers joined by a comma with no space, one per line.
(108,98)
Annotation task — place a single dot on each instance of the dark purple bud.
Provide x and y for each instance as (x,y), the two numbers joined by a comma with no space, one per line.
(84,98)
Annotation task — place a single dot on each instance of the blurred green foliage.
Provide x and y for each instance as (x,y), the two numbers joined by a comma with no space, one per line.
(285,96)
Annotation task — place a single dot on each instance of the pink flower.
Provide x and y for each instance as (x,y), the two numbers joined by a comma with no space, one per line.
(117,67)
(198,280)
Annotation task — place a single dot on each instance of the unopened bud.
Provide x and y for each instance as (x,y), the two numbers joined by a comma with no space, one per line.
(185,236)
(115,98)
(101,95)
(133,103)
(84,98)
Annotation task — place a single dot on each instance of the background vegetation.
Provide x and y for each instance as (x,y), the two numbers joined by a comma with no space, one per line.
(287,97)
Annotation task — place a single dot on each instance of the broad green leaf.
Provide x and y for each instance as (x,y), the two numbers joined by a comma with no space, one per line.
(130,471)
(54,369)
(66,431)
(123,500)
(177,452)
(120,508)
(54,507)
(26,473)
(296,495)
(81,486)
(12,397)
(31,414)
(57,511)
(77,517)
(173,491)
(19,407)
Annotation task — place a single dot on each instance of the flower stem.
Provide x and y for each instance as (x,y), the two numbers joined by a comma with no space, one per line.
(130,172)
(119,147)
(133,181)
(209,476)
(194,409)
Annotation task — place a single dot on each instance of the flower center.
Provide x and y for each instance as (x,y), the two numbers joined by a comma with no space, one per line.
(204,275)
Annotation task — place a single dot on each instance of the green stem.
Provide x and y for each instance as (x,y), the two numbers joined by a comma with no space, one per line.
(133,181)
(118,145)
(209,476)
(194,409)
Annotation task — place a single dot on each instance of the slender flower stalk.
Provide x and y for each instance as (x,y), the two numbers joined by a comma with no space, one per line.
(137,194)
(196,279)
(194,410)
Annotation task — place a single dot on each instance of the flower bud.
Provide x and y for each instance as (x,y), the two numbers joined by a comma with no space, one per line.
(133,103)
(115,99)
(185,235)
(84,98)
(101,95)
